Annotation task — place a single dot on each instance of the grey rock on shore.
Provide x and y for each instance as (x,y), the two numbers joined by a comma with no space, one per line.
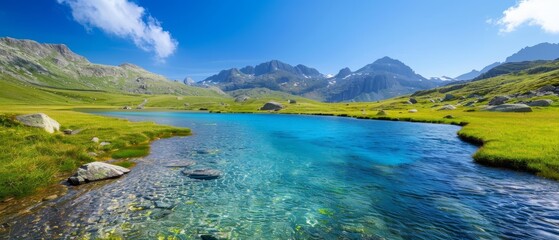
(498,100)
(510,108)
(96,171)
(39,120)
(540,103)
(447,107)
(273,106)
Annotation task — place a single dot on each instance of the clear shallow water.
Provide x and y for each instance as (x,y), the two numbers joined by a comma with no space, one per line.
(305,177)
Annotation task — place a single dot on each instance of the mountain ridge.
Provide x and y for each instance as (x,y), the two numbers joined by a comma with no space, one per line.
(55,65)
(384,78)
(541,51)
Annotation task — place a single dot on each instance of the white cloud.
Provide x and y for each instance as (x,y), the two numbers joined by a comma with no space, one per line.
(126,20)
(543,13)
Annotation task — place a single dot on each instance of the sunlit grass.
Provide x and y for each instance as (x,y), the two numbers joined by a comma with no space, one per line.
(31,158)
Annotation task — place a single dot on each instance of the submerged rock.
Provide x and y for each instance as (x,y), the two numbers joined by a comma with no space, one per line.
(180,163)
(95,171)
(510,108)
(208,237)
(273,106)
(164,205)
(202,174)
(39,120)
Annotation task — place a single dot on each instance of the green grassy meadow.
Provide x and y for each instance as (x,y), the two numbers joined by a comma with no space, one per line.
(31,159)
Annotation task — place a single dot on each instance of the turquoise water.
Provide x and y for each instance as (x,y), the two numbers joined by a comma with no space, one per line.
(307,177)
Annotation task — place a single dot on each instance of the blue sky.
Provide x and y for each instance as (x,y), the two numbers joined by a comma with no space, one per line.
(199,38)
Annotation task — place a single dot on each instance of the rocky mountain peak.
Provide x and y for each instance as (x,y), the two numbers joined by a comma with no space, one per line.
(344,72)
(189,81)
(390,66)
(34,48)
(272,66)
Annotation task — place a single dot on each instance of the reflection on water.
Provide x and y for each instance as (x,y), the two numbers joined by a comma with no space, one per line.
(301,177)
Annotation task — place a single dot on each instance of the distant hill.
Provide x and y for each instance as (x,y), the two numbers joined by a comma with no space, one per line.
(512,67)
(520,81)
(475,73)
(56,66)
(382,79)
(542,51)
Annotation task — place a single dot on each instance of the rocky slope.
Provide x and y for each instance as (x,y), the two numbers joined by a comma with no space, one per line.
(56,66)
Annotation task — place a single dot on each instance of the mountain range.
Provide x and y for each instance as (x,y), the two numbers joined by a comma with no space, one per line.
(384,78)
(542,51)
(56,66)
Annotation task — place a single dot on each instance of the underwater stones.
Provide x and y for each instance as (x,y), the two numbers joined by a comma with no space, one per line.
(447,107)
(208,237)
(203,151)
(156,215)
(272,106)
(509,108)
(180,163)
(39,120)
(164,205)
(95,171)
(202,174)
(498,100)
